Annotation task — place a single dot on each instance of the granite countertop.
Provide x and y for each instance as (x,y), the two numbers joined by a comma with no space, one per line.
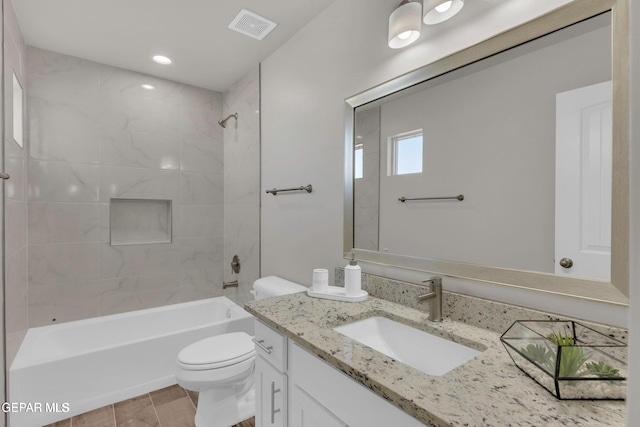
(489,390)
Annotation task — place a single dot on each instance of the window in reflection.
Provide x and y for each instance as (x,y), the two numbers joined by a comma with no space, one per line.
(358,165)
(405,153)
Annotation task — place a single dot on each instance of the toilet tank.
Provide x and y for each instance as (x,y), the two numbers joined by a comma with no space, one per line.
(272,286)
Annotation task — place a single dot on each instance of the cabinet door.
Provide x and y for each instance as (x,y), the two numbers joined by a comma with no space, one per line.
(271,395)
(307,412)
(338,395)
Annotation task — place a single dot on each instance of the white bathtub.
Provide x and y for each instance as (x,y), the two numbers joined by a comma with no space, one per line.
(95,362)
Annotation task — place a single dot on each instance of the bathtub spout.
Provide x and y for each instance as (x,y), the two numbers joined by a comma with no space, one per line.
(233,284)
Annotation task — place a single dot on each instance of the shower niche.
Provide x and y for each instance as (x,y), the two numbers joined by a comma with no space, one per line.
(139,221)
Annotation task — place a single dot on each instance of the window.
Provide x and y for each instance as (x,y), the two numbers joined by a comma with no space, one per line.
(358,162)
(17,111)
(405,153)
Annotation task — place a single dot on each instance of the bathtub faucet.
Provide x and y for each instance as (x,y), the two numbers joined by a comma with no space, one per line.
(235,264)
(233,284)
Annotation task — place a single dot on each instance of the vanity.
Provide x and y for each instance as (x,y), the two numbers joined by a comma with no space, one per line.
(296,388)
(309,374)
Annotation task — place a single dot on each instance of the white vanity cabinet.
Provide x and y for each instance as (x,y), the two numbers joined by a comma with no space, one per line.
(271,389)
(270,377)
(313,393)
(306,411)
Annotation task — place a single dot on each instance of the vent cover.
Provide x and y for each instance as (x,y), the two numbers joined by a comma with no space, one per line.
(252,25)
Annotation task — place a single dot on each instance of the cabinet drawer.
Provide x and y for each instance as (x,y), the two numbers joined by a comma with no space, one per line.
(271,345)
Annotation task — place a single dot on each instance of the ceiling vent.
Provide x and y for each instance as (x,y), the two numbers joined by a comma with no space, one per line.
(252,25)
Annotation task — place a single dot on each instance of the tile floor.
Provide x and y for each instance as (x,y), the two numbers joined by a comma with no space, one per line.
(169,407)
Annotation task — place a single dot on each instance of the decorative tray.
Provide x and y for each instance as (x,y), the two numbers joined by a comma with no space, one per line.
(337,293)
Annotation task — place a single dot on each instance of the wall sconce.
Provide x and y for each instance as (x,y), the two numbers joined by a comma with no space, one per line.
(405,24)
(437,11)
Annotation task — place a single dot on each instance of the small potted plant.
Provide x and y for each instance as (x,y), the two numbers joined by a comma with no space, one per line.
(570,360)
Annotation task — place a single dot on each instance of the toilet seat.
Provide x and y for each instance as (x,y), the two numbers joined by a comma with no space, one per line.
(217,352)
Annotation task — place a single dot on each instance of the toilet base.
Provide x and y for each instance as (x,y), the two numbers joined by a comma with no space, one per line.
(224,408)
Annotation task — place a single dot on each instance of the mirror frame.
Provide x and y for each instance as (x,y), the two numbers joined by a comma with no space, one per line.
(614,292)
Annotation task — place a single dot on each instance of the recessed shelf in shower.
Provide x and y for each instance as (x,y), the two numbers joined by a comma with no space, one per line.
(139,221)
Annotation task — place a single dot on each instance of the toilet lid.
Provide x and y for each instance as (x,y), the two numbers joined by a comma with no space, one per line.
(217,352)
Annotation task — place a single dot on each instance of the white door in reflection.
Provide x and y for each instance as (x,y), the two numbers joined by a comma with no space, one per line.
(583,182)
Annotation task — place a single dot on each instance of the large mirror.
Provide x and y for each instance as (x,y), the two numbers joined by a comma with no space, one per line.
(506,162)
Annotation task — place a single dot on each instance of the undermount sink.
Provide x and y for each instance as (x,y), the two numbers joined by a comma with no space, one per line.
(420,350)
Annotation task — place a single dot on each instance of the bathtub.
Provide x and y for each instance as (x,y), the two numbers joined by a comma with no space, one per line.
(70,368)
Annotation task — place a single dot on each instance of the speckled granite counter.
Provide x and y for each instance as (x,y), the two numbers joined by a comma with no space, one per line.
(486,391)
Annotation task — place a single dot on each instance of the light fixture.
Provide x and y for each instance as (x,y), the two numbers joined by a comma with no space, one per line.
(161,59)
(405,24)
(148,86)
(437,11)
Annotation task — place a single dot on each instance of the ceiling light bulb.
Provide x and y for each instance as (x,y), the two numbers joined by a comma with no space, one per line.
(148,87)
(405,24)
(437,11)
(444,6)
(161,59)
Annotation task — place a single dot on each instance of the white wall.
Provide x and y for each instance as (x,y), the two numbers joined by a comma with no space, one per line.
(489,135)
(633,415)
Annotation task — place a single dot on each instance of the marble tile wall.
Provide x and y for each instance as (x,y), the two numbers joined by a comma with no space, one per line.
(15,192)
(366,195)
(97,134)
(242,184)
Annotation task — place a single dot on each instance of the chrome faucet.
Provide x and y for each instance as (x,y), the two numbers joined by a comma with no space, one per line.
(233,284)
(435,298)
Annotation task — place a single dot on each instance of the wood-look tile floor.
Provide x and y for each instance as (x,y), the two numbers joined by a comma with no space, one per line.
(169,407)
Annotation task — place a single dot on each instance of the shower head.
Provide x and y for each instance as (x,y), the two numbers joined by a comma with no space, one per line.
(223,122)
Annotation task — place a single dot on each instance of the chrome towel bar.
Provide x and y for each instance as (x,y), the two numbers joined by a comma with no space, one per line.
(275,191)
(459,197)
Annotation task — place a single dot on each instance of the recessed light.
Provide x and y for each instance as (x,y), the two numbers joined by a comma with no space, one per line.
(161,59)
(148,87)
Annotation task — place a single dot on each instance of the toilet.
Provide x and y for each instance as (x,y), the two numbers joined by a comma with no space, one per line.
(221,368)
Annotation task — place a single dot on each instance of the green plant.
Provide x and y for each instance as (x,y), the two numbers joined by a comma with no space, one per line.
(540,355)
(602,369)
(572,358)
(562,339)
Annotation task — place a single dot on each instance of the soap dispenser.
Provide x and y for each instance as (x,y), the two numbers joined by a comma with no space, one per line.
(352,278)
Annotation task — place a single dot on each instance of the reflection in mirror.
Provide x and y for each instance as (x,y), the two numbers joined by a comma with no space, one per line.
(490,134)
(18,122)
(525,135)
